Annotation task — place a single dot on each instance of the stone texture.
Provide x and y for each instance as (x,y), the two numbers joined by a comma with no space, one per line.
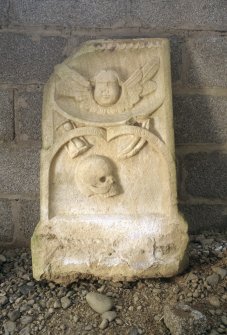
(6,112)
(110,316)
(28,107)
(4,8)
(176,44)
(214,301)
(82,13)
(31,59)
(100,303)
(65,302)
(29,216)
(19,172)
(213,279)
(200,119)
(224,320)
(7,224)
(220,271)
(202,217)
(112,178)
(181,319)
(14,315)
(206,61)
(9,327)
(206,175)
(161,14)
(3,300)
(2,259)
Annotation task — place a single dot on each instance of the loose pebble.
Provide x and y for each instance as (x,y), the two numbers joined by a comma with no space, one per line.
(214,301)
(2,259)
(26,319)
(100,303)
(3,300)
(213,332)
(57,304)
(220,271)
(101,289)
(118,321)
(133,331)
(14,315)
(75,318)
(183,320)
(110,316)
(9,327)
(104,324)
(25,331)
(213,279)
(65,302)
(224,320)
(25,289)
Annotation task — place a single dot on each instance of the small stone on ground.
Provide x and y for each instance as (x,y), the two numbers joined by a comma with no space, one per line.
(100,303)
(181,319)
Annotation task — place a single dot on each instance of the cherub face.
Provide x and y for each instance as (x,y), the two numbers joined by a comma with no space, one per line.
(107,89)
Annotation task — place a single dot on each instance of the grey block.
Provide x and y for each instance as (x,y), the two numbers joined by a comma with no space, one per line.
(176,57)
(80,13)
(7,226)
(27,60)
(206,175)
(205,217)
(6,119)
(207,65)
(19,172)
(178,162)
(28,110)
(181,14)
(4,8)
(200,119)
(29,217)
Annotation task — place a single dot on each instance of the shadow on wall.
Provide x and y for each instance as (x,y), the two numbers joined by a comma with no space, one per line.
(201,136)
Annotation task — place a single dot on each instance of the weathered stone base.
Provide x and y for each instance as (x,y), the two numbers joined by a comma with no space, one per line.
(109,247)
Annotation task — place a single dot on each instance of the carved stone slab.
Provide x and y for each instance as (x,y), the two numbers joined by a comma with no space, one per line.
(108,183)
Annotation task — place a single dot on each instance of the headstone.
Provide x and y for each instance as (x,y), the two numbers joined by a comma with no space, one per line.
(108,180)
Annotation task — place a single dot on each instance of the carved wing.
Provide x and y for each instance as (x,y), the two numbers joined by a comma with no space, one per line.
(139,83)
(72,85)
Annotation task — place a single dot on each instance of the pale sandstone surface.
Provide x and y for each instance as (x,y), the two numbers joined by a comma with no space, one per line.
(108,183)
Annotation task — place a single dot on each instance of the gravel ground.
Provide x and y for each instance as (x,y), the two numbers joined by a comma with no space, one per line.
(29,307)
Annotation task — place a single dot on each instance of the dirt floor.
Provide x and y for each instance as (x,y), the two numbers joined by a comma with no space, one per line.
(29,307)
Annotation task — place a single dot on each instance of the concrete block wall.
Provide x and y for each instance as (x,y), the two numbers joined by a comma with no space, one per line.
(36,35)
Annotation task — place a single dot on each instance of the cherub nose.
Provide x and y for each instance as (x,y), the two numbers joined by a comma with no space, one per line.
(105,90)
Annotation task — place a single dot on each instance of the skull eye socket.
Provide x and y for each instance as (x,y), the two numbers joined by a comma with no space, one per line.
(102,179)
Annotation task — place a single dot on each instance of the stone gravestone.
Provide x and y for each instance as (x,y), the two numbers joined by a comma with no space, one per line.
(108,182)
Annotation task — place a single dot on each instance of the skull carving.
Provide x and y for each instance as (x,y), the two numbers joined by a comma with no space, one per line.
(95,176)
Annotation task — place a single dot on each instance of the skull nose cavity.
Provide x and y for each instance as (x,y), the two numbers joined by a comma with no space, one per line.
(112,179)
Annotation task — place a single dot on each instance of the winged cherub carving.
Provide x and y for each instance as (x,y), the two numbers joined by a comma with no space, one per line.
(106,93)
